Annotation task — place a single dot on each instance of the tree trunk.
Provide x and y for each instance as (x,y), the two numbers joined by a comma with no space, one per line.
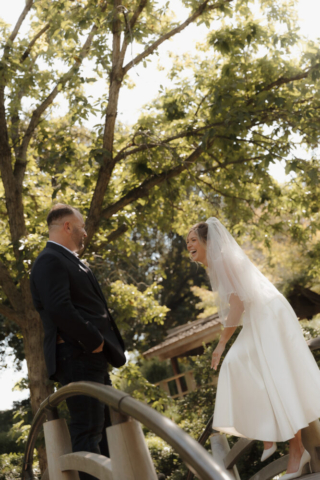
(39,384)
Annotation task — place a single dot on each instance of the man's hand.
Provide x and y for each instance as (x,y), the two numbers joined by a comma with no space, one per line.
(216,355)
(99,349)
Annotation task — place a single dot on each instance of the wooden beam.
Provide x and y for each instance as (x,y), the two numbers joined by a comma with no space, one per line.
(87,462)
(186,344)
(176,371)
(238,450)
(183,345)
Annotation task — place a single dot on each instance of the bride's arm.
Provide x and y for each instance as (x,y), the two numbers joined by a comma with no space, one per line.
(236,310)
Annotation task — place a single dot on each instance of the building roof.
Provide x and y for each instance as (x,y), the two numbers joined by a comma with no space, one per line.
(186,338)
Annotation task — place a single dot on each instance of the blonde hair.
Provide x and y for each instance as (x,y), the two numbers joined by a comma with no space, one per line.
(201,230)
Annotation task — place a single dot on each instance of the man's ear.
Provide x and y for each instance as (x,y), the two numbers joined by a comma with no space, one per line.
(67,227)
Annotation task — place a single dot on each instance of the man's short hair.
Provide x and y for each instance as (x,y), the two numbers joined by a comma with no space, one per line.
(59,211)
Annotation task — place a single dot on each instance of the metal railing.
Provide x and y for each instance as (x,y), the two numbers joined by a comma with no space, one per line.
(191,452)
(202,440)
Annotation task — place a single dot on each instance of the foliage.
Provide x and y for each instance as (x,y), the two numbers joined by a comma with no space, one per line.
(11,466)
(130,379)
(155,370)
(178,274)
(207,303)
(166,461)
(10,336)
(153,258)
(135,308)
(247,98)
(20,429)
(14,427)
(312,330)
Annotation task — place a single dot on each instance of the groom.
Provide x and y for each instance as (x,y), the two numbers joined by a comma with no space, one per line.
(80,335)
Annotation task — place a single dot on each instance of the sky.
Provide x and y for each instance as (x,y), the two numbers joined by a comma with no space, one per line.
(148,81)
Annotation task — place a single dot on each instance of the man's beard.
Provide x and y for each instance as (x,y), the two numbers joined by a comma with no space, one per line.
(78,238)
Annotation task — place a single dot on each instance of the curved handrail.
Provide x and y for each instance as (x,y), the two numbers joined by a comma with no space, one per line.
(196,458)
(202,440)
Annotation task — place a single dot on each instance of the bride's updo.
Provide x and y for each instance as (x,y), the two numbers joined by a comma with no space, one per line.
(201,230)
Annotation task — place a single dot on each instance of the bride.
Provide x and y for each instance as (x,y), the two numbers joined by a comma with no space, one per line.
(269,382)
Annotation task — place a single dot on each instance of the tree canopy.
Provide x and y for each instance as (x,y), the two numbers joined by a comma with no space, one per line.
(248,97)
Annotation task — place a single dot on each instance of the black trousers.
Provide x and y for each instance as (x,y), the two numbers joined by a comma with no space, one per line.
(88,417)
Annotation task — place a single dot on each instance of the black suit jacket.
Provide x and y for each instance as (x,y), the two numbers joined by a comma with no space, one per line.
(70,302)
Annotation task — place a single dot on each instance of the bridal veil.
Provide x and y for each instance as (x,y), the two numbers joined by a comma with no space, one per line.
(232,273)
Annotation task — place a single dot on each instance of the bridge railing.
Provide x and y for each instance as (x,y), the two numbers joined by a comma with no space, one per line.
(230,457)
(129,456)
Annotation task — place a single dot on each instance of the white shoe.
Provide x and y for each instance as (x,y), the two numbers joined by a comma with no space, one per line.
(267,453)
(304,467)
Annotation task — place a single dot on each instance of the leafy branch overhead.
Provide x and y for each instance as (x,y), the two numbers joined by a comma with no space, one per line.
(239,102)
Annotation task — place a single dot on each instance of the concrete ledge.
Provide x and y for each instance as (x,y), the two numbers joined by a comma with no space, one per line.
(311,476)
(96,465)
(238,450)
(273,469)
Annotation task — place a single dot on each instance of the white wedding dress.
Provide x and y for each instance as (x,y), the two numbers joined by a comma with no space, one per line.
(269,382)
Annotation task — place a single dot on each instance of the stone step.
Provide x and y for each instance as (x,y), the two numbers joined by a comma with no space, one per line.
(311,476)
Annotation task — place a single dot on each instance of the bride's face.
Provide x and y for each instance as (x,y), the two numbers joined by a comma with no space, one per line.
(196,249)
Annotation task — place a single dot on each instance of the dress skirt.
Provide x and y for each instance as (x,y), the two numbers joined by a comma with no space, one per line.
(269,382)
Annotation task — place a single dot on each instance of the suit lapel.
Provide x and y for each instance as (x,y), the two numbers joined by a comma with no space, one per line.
(95,283)
(73,258)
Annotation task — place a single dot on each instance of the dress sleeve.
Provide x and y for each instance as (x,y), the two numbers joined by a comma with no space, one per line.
(234,318)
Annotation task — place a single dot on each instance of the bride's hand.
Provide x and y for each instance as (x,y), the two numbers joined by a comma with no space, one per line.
(216,355)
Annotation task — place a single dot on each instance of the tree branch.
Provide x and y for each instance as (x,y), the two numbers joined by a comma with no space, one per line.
(20,164)
(15,119)
(117,233)
(173,32)
(284,80)
(39,34)
(10,289)
(11,315)
(105,172)
(237,162)
(116,36)
(144,189)
(130,25)
(201,102)
(116,79)
(137,13)
(140,148)
(16,29)
(13,195)
(33,41)
(222,193)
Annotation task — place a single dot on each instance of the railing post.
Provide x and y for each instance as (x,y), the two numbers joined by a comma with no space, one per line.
(311,442)
(130,457)
(165,386)
(190,381)
(176,371)
(220,448)
(58,442)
